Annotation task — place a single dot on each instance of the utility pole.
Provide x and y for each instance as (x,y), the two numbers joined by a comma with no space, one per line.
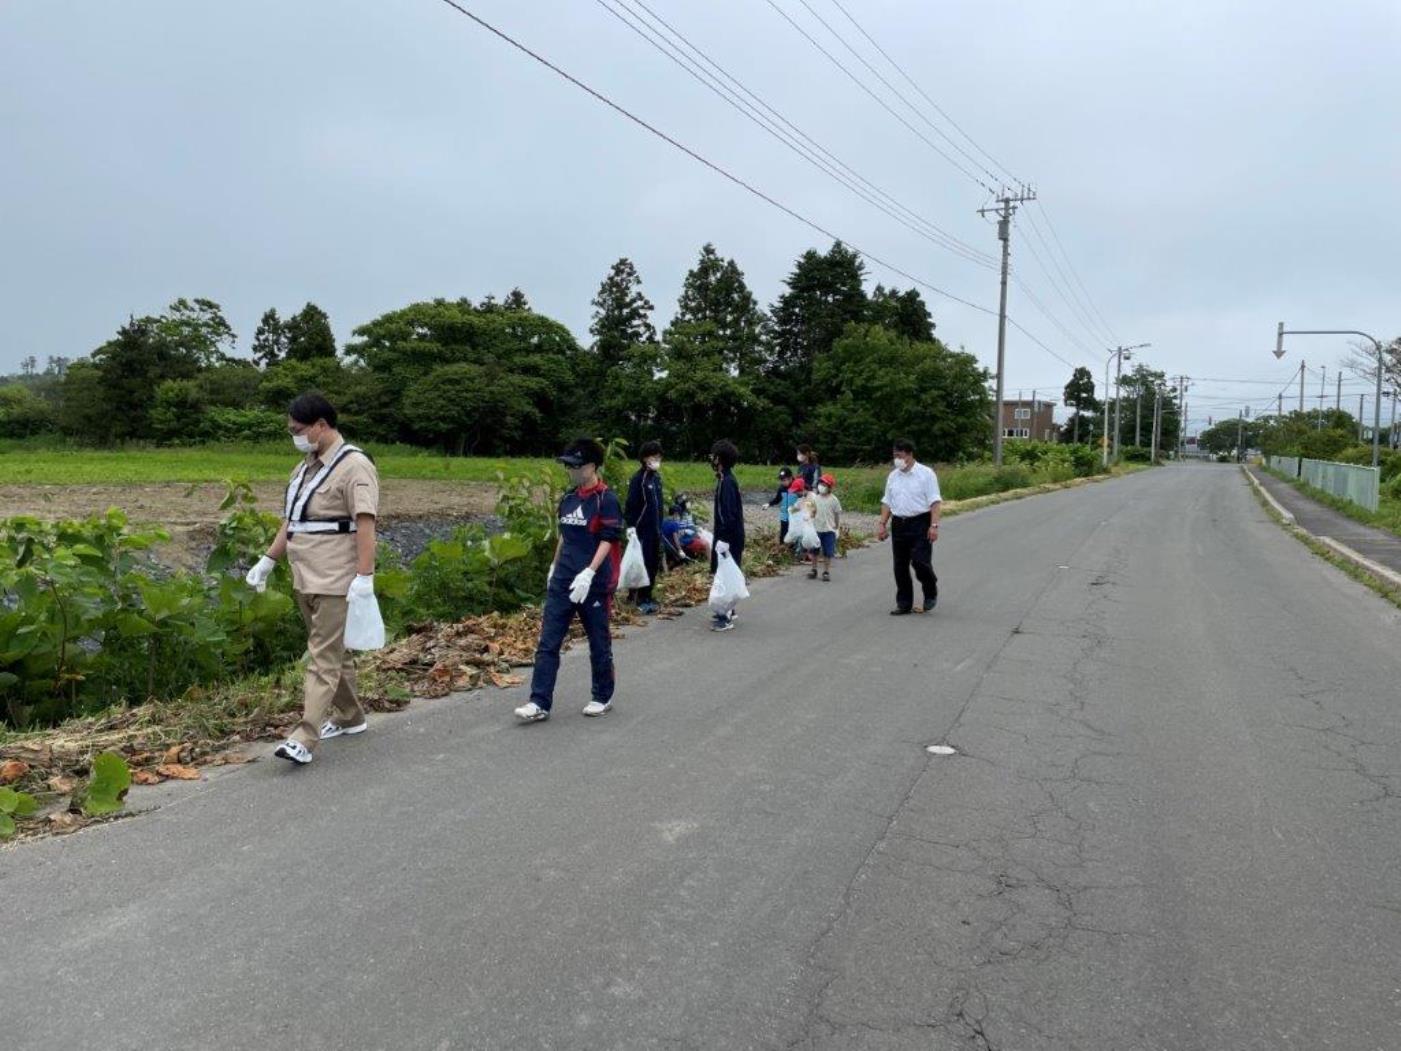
(1301,388)
(1280,410)
(1006,208)
(1240,437)
(1322,385)
(1157,422)
(1359,417)
(1339,404)
(1138,417)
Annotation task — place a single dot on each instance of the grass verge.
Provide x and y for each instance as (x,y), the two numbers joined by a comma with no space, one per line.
(1387,516)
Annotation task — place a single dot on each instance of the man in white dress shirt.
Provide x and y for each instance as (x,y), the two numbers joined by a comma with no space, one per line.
(909,515)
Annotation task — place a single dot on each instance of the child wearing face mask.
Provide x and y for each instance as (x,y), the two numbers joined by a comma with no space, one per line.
(643,513)
(581,583)
(827,517)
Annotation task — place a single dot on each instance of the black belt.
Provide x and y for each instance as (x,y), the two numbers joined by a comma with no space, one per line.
(909,518)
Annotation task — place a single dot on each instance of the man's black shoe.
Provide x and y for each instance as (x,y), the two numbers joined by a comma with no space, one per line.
(900,611)
(930,603)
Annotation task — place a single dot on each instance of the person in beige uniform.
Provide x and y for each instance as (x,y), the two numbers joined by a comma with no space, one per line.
(328,536)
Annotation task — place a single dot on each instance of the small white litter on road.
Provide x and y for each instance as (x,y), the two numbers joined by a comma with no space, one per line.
(941,749)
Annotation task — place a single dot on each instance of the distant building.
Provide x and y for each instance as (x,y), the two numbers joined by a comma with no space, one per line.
(1032,419)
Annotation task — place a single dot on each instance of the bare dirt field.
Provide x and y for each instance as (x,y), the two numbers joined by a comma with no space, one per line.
(414,509)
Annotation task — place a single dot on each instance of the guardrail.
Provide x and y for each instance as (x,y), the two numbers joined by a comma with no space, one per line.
(1359,485)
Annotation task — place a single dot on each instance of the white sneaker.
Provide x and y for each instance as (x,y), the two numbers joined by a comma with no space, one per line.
(294,750)
(598,707)
(531,712)
(330,728)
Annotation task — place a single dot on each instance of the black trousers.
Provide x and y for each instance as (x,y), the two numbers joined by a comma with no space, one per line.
(909,540)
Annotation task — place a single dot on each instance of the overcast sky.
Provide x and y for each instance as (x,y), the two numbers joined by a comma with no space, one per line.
(1210,166)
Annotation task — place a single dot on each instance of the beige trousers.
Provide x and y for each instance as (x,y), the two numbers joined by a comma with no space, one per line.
(330,668)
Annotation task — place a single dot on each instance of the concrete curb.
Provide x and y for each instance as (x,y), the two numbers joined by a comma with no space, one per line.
(1377,570)
(1275,504)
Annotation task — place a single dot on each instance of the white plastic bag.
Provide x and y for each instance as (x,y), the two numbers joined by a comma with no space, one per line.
(364,627)
(808,537)
(634,570)
(729,586)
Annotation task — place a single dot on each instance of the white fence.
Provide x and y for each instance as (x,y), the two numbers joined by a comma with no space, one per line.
(1360,485)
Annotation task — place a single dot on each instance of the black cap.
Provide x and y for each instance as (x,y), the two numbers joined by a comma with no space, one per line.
(785,472)
(580,452)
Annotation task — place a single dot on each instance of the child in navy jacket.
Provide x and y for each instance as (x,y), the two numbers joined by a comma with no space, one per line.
(581,583)
(729,515)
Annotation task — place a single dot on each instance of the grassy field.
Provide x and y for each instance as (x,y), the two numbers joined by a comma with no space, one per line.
(27,465)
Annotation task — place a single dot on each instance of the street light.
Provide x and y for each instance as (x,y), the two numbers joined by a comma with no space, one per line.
(1117,355)
(1281,332)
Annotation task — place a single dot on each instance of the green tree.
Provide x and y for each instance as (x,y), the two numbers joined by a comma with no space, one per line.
(714,293)
(195,330)
(473,408)
(270,340)
(903,313)
(401,348)
(515,300)
(881,386)
(699,397)
(824,295)
(84,412)
(23,413)
(1080,396)
(622,315)
(308,335)
(177,412)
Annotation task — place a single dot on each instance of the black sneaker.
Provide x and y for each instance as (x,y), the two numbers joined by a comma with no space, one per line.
(900,611)
(930,603)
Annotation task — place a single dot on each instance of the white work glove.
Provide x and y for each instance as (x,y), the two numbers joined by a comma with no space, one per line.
(579,590)
(632,535)
(257,577)
(362,587)
(721,548)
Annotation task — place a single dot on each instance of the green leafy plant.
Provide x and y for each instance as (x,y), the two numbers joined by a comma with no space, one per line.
(107,787)
(14,805)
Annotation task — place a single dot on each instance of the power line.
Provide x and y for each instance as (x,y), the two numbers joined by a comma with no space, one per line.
(900,95)
(910,80)
(911,219)
(1064,286)
(1073,273)
(736,180)
(749,187)
(880,101)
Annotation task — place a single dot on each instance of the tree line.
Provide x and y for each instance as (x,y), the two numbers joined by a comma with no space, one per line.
(828,363)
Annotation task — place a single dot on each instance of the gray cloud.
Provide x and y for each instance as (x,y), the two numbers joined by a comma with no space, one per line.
(1212,167)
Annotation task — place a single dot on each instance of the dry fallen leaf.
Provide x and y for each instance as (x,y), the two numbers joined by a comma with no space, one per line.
(178,772)
(62,784)
(172,754)
(66,821)
(233,759)
(145,777)
(11,770)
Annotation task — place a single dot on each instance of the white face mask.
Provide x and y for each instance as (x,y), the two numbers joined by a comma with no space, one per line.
(823,490)
(899,464)
(802,458)
(654,464)
(303,443)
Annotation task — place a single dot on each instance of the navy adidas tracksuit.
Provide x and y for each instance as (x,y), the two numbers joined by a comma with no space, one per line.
(587,517)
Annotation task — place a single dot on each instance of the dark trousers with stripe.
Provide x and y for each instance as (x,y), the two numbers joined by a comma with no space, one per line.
(909,541)
(594,614)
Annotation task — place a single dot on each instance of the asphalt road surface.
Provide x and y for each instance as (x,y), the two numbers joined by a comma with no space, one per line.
(1172,823)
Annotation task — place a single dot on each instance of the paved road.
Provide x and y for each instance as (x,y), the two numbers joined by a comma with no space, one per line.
(1173,825)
